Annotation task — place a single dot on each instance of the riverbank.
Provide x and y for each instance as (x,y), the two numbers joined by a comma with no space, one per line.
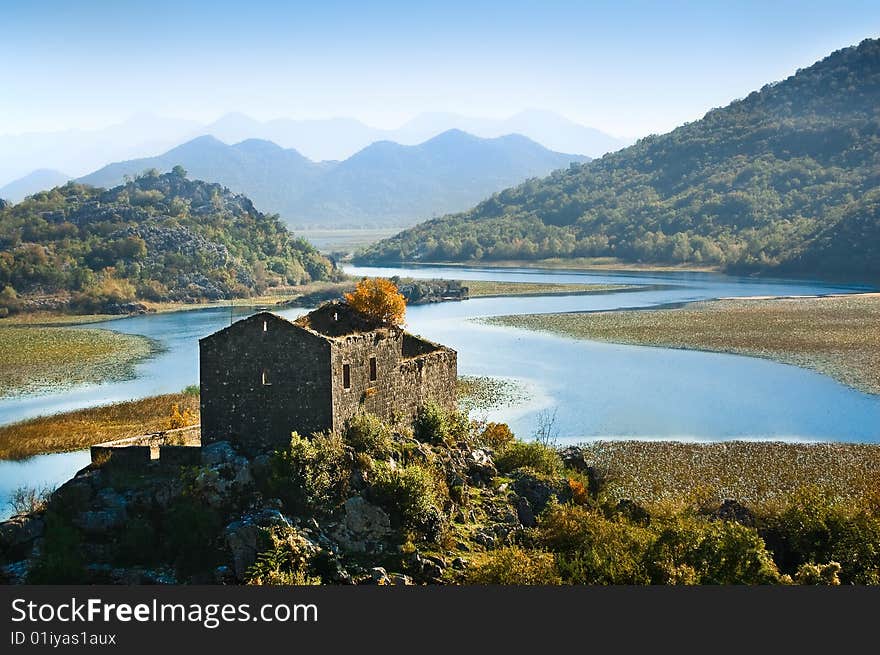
(559,263)
(838,336)
(492,289)
(85,427)
(37,359)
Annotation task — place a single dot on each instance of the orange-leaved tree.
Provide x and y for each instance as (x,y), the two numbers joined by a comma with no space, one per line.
(378,300)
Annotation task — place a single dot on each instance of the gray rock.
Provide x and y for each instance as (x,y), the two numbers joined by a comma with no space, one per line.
(18,533)
(364,527)
(379,576)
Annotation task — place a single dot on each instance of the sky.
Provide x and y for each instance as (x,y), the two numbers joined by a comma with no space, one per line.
(627,67)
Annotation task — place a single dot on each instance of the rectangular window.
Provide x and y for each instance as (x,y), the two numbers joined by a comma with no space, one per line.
(265,378)
(372,369)
(265,326)
(346,376)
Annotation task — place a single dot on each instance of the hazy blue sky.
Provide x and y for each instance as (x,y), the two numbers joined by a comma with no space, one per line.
(626,67)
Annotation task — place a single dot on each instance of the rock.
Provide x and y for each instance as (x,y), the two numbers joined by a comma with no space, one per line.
(18,534)
(379,576)
(219,452)
(15,572)
(460,563)
(480,466)
(109,515)
(243,537)
(400,579)
(539,489)
(364,527)
(524,513)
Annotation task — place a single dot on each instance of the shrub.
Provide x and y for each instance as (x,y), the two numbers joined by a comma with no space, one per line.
(378,300)
(189,533)
(496,435)
(367,433)
(26,500)
(286,561)
(312,474)
(818,574)
(592,549)
(534,455)
(408,493)
(717,552)
(61,560)
(814,529)
(430,424)
(515,566)
(138,543)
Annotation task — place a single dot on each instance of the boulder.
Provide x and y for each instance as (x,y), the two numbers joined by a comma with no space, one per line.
(539,489)
(18,534)
(244,537)
(109,514)
(364,527)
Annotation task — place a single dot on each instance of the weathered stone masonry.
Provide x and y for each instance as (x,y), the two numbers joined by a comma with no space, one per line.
(265,377)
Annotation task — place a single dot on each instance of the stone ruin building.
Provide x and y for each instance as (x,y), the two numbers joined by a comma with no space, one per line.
(265,377)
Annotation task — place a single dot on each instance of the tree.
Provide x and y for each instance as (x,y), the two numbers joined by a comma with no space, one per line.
(379,300)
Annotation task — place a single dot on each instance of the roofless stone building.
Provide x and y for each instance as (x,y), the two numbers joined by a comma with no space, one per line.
(265,377)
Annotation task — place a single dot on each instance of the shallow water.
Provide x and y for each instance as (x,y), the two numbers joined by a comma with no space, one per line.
(597,389)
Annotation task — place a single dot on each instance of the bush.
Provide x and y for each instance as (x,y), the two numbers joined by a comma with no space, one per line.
(409,494)
(61,560)
(26,500)
(189,534)
(367,433)
(515,566)
(286,561)
(534,455)
(496,436)
(138,543)
(430,424)
(814,529)
(312,475)
(713,552)
(818,574)
(592,549)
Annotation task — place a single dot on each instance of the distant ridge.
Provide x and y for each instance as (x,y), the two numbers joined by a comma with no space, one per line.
(786,179)
(384,184)
(38,180)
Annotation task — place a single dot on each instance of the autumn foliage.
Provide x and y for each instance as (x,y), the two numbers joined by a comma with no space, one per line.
(379,300)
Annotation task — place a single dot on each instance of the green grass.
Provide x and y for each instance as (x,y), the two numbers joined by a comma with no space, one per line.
(838,336)
(35,359)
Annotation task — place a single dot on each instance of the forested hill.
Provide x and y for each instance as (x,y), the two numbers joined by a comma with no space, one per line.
(787,178)
(158,237)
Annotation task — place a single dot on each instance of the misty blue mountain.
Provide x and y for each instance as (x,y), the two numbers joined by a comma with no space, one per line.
(384,184)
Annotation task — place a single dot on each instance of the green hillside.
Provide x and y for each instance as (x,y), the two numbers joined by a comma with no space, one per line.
(157,237)
(787,178)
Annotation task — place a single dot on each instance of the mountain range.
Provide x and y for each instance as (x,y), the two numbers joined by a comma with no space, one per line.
(384,184)
(81,151)
(785,179)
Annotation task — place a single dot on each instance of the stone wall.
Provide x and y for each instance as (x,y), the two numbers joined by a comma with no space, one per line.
(258,413)
(172,448)
(409,373)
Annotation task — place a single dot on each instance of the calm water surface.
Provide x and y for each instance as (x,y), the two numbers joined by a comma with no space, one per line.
(596,389)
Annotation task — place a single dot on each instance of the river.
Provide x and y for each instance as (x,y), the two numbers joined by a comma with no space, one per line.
(596,389)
